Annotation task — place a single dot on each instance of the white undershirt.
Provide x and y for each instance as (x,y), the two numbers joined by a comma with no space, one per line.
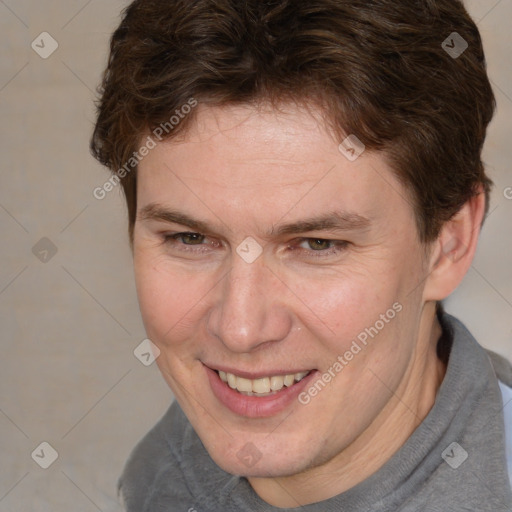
(507,409)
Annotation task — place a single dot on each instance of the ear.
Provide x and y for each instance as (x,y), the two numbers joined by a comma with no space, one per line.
(453,251)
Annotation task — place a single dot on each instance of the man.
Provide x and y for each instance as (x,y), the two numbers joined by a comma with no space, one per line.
(304,186)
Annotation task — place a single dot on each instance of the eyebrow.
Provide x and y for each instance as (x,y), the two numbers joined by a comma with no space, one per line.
(335,221)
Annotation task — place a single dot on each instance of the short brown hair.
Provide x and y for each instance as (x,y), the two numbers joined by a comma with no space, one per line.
(377,68)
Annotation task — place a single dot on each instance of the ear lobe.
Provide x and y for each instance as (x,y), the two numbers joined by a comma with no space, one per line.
(454,249)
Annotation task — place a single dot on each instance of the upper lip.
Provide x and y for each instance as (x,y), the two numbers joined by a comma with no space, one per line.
(255,375)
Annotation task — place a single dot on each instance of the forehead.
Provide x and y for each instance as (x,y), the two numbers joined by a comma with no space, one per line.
(265,163)
(262,137)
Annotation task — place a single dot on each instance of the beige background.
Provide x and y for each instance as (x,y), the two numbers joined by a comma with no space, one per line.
(68,375)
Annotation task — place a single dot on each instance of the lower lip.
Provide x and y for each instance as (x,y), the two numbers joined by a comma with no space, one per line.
(254,406)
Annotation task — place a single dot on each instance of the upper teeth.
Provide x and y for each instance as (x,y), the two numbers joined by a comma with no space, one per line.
(262,386)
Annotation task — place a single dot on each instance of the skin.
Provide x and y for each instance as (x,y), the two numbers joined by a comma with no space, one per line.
(244,170)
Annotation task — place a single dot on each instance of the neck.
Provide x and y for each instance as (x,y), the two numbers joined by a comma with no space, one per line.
(379,442)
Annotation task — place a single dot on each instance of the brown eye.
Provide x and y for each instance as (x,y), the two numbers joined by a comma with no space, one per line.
(184,238)
(319,244)
(320,247)
(193,244)
(190,238)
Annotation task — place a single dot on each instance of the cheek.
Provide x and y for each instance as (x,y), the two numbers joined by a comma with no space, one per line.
(344,304)
(169,299)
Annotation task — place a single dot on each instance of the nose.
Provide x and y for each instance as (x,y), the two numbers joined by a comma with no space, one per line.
(249,310)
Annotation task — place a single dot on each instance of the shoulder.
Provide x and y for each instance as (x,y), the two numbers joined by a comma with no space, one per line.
(503,370)
(502,367)
(155,458)
(170,469)
(502,377)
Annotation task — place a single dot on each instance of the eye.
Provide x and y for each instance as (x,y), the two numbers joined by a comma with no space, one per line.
(320,247)
(318,244)
(195,243)
(187,238)
(192,243)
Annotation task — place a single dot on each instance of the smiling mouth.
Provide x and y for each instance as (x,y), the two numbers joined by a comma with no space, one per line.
(261,387)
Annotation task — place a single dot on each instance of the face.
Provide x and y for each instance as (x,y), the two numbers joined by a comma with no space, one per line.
(266,258)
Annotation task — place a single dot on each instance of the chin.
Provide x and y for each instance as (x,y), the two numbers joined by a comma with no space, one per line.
(258,458)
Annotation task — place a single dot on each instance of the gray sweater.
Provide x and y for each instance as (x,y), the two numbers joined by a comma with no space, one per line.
(170,471)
